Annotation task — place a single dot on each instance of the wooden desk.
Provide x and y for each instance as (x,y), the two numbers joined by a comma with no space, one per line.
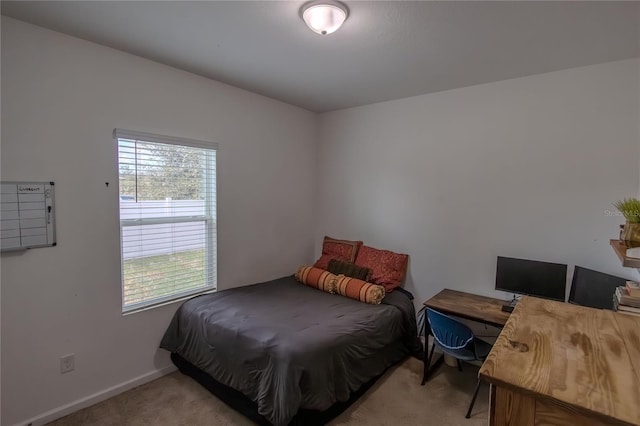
(561,364)
(483,309)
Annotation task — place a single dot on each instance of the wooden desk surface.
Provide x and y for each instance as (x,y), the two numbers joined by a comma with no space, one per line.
(471,306)
(585,360)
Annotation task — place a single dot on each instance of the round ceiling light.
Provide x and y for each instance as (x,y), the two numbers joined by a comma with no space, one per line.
(324,16)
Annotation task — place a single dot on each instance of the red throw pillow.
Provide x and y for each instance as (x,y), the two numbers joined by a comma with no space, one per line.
(343,250)
(387,268)
(323,262)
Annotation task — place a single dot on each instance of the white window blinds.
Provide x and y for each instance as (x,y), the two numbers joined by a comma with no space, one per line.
(167,218)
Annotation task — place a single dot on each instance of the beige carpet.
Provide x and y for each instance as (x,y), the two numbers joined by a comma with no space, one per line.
(396,399)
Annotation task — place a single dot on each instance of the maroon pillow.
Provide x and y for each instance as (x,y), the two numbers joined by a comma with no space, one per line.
(342,250)
(387,268)
(323,262)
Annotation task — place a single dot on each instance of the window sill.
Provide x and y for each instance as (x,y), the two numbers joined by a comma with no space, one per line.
(168,302)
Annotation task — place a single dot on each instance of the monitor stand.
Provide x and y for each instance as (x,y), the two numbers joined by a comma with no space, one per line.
(511,305)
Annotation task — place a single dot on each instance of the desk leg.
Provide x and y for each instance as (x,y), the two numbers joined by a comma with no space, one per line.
(492,405)
(428,355)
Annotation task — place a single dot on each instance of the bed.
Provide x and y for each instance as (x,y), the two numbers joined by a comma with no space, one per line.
(289,348)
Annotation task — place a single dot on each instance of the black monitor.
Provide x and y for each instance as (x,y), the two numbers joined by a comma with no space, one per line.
(541,279)
(594,289)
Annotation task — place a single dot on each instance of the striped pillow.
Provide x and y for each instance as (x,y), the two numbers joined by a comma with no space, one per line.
(359,290)
(316,278)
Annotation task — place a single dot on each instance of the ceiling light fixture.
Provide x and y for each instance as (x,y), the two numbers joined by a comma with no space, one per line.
(324,16)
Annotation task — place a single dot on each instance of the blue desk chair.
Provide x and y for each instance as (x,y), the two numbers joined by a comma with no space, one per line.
(457,340)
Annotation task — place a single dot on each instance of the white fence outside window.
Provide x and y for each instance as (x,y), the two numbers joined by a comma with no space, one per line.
(161,238)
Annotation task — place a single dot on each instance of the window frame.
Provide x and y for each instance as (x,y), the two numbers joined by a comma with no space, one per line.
(209,218)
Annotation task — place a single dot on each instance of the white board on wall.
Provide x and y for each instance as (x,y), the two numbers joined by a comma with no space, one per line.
(27,215)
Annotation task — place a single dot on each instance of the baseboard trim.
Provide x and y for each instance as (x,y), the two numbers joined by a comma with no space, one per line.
(85,402)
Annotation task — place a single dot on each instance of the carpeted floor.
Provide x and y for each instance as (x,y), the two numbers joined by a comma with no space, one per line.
(396,399)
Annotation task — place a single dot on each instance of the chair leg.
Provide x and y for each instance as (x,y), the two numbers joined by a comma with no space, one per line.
(427,362)
(459,365)
(473,400)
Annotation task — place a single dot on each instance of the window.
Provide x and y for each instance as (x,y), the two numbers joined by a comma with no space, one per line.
(167,218)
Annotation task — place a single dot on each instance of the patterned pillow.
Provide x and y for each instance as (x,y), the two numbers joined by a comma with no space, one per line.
(323,262)
(317,278)
(363,291)
(343,250)
(387,268)
(349,269)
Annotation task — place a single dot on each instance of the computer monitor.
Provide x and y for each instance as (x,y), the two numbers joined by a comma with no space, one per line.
(594,289)
(541,279)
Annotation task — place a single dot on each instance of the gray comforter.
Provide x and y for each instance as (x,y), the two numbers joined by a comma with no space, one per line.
(287,346)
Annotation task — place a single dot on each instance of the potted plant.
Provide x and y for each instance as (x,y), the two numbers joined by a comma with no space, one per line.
(630,209)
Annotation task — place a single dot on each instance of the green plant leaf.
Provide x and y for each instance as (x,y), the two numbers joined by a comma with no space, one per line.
(630,209)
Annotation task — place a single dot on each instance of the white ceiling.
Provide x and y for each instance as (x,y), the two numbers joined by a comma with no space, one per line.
(385,50)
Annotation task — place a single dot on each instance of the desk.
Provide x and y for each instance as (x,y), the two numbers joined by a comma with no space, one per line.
(561,364)
(483,309)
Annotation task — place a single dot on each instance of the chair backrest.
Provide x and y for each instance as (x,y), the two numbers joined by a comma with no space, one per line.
(593,289)
(449,333)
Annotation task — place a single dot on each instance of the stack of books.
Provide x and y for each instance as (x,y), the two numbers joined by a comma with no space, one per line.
(626,300)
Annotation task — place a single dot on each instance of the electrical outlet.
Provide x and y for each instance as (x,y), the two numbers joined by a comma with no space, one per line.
(67,363)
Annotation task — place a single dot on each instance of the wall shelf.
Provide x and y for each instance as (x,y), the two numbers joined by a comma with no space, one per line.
(621,250)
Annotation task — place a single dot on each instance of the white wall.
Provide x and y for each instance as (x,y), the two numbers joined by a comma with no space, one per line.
(61,99)
(523,168)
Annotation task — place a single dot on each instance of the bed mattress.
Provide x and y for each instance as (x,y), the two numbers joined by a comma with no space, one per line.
(287,346)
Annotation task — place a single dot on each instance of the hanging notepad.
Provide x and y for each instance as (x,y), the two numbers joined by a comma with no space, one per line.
(27,215)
